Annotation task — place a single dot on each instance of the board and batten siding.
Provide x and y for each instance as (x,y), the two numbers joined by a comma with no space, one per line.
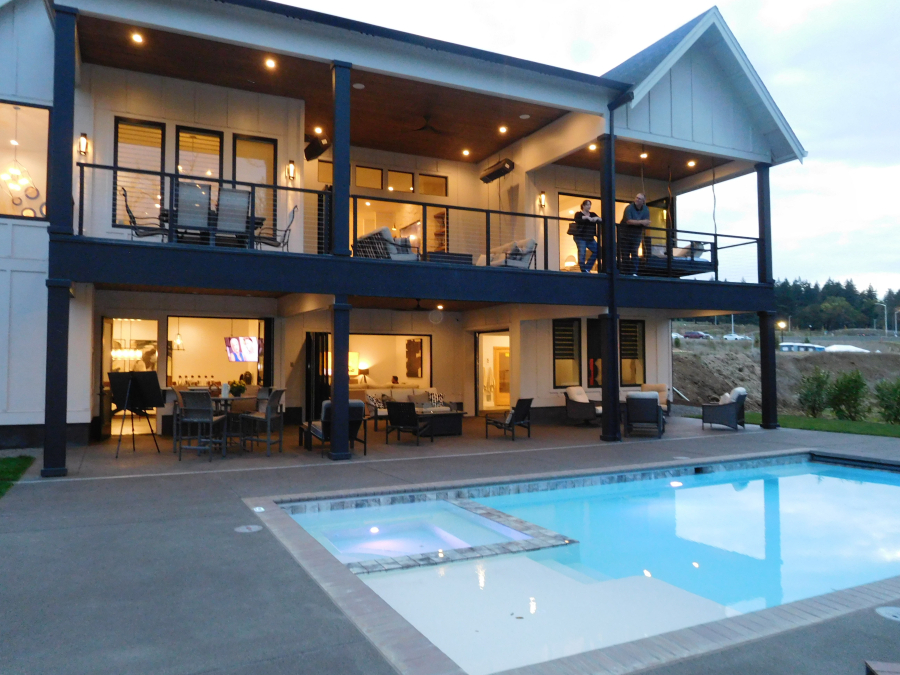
(695,102)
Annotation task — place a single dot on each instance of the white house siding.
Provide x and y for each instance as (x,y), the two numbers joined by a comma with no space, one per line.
(695,105)
(27,39)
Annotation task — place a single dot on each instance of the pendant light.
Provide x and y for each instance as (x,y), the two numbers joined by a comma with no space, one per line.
(179,343)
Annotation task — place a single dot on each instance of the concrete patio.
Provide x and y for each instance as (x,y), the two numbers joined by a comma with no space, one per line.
(134,565)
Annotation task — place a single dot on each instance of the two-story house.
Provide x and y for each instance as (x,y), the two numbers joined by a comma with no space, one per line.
(217,189)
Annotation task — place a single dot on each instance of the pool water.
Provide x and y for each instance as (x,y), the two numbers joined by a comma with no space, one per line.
(653,556)
(353,535)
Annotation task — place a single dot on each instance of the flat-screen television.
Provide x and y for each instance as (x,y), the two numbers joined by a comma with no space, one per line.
(243,348)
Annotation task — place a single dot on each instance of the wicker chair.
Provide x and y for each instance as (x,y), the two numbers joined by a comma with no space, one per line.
(642,408)
(579,408)
(729,414)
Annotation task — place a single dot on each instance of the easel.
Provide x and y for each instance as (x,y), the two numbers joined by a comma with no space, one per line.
(135,393)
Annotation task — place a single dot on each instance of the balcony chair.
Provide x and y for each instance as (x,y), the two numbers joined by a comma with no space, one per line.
(728,412)
(276,241)
(232,218)
(254,423)
(192,210)
(402,417)
(520,416)
(642,408)
(321,428)
(663,392)
(197,409)
(579,408)
(138,228)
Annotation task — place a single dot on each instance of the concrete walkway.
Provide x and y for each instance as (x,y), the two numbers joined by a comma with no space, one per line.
(134,565)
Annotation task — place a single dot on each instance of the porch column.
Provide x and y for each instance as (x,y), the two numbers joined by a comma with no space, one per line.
(340,149)
(62,125)
(766,319)
(767,370)
(340,379)
(56,392)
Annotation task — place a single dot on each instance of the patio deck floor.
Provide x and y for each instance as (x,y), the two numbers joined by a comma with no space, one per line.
(133,565)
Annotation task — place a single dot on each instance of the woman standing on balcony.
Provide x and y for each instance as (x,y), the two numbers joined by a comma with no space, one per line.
(584,233)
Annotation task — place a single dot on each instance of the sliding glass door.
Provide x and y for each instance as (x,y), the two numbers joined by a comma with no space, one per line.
(254,162)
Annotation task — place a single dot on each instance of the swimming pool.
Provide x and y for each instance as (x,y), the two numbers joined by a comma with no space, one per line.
(652,556)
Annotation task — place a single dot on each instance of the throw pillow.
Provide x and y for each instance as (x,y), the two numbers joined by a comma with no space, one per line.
(374,402)
(385,399)
(725,398)
(436,398)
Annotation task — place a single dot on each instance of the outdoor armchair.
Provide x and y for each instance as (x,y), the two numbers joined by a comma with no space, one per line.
(642,409)
(579,408)
(403,417)
(520,416)
(321,428)
(729,413)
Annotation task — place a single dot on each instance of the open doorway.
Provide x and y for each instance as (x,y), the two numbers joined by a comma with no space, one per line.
(128,345)
(492,377)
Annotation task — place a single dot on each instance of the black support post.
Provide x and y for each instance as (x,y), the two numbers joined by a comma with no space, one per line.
(340,149)
(56,392)
(767,345)
(340,379)
(767,370)
(62,124)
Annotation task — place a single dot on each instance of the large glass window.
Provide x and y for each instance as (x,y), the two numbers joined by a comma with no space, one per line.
(325,172)
(254,162)
(23,160)
(368,177)
(199,153)
(566,353)
(632,350)
(433,185)
(400,181)
(139,145)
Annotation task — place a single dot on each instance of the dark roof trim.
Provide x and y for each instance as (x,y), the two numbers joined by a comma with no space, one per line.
(428,43)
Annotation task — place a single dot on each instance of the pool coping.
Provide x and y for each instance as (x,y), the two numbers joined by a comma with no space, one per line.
(411,653)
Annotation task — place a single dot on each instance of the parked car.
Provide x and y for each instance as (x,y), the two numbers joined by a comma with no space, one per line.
(734,336)
(677,336)
(697,335)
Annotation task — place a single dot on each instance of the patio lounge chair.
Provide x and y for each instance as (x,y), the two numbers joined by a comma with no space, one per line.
(403,417)
(580,408)
(520,416)
(321,428)
(729,413)
(642,408)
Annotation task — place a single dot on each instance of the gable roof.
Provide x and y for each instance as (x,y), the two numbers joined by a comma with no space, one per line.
(643,70)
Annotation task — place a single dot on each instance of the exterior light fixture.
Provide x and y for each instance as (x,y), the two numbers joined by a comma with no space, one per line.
(503,130)
(137,37)
(82,144)
(524,117)
(291,169)
(440,307)
(542,200)
(359,85)
(318,130)
(692,163)
(270,63)
(465,153)
(592,146)
(643,155)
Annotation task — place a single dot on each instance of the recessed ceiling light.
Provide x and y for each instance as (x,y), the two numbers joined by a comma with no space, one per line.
(502,130)
(692,163)
(368,203)
(410,189)
(359,85)
(440,307)
(270,63)
(643,155)
(14,142)
(318,130)
(592,146)
(466,153)
(524,117)
(390,189)
(137,37)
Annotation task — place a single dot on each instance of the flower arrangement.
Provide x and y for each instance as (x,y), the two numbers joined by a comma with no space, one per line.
(237,388)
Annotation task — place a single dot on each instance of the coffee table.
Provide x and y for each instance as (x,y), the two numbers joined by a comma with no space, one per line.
(443,423)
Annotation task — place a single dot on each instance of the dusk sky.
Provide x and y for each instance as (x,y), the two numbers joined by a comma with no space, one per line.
(830,65)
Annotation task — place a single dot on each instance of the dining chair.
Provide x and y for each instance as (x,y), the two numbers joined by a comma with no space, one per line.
(271,419)
(277,241)
(232,216)
(193,205)
(198,409)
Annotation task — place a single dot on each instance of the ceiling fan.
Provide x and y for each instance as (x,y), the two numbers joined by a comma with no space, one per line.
(427,126)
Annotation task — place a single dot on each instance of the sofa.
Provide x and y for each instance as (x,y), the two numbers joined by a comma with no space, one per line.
(381,245)
(397,392)
(521,254)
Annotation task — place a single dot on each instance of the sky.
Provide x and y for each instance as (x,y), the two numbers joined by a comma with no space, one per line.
(830,65)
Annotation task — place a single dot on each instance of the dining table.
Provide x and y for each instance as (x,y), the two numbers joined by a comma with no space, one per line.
(223,407)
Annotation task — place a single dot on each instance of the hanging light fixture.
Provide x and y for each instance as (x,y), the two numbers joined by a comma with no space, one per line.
(16,177)
(178,342)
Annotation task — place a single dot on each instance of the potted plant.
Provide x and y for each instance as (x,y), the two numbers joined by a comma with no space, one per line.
(237,388)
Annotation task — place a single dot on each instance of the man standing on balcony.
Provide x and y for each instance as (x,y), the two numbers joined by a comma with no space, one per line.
(636,218)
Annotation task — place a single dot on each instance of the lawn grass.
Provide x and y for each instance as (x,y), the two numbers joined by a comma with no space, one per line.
(11,470)
(822,424)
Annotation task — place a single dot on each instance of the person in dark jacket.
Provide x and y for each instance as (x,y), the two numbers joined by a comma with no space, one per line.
(585,231)
(635,219)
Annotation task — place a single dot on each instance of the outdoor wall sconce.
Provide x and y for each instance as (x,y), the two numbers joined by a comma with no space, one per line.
(542,200)
(83,145)
(290,171)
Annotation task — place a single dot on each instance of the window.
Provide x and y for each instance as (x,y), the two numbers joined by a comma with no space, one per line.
(433,185)
(631,352)
(368,177)
(254,162)
(139,145)
(566,353)
(400,181)
(23,160)
(198,153)
(325,172)
(632,364)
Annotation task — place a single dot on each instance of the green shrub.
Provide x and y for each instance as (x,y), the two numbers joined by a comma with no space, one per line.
(813,394)
(887,395)
(677,343)
(848,396)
